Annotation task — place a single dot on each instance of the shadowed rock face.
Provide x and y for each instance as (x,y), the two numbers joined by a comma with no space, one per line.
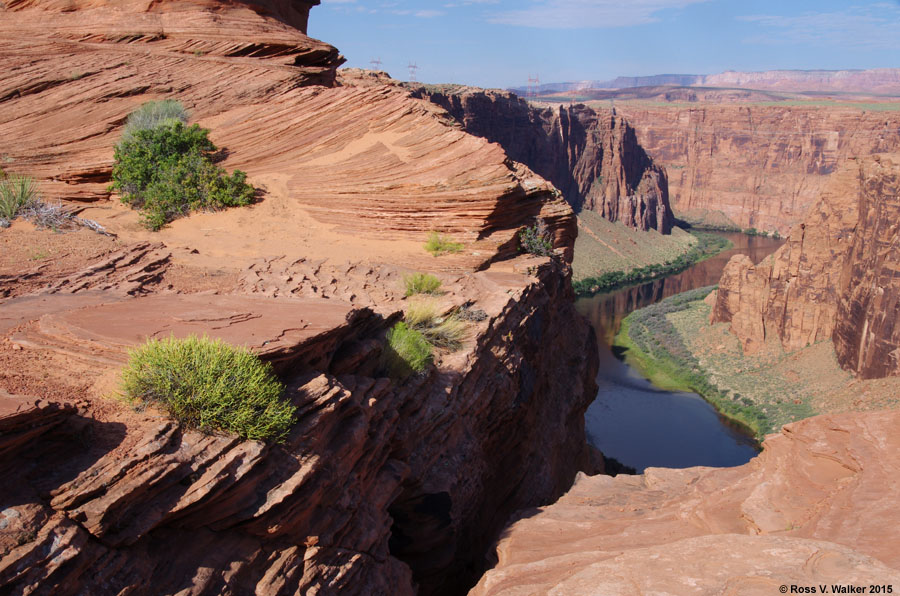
(811,509)
(756,166)
(833,279)
(592,157)
(380,486)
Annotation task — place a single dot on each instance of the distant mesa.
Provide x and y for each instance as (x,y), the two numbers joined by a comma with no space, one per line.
(873,82)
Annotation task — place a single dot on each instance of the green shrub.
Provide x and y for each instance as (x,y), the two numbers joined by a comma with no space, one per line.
(167,171)
(534,240)
(407,352)
(421,283)
(210,385)
(153,114)
(438,245)
(15,193)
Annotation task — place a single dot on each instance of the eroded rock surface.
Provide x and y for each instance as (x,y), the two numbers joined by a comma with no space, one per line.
(810,509)
(336,165)
(833,279)
(593,157)
(754,166)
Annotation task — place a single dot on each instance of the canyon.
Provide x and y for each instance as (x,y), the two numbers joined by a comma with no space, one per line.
(592,157)
(751,165)
(834,278)
(381,486)
(403,486)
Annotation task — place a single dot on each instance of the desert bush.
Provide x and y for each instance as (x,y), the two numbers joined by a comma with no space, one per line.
(167,171)
(421,283)
(407,352)
(438,245)
(152,115)
(535,240)
(210,385)
(16,192)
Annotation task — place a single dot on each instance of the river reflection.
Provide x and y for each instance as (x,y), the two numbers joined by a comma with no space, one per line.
(639,424)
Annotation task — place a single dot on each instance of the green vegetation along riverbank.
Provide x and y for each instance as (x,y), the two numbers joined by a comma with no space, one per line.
(654,346)
(673,344)
(706,245)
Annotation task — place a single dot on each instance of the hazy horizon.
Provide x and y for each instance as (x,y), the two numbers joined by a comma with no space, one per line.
(500,43)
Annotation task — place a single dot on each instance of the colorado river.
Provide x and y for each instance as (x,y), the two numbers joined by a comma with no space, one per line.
(639,424)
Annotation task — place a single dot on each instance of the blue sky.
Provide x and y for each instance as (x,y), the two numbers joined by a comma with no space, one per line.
(500,43)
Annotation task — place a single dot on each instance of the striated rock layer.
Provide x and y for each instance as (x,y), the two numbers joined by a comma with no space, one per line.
(351,163)
(835,278)
(755,166)
(812,509)
(379,488)
(593,157)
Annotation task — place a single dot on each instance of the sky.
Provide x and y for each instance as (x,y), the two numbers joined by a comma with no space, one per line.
(503,43)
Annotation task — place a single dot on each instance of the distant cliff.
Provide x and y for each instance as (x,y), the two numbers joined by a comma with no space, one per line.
(835,278)
(593,157)
(755,166)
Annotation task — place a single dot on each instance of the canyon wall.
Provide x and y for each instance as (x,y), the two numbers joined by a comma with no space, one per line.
(592,157)
(755,166)
(382,486)
(834,277)
(812,508)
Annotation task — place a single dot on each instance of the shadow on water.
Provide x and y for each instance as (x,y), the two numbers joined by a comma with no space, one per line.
(640,424)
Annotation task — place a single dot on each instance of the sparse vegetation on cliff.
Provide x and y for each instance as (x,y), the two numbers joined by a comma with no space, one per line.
(708,245)
(421,283)
(534,240)
(438,245)
(445,331)
(211,386)
(406,352)
(411,343)
(166,169)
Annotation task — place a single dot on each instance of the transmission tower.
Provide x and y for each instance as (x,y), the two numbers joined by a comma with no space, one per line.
(413,67)
(533,85)
(376,63)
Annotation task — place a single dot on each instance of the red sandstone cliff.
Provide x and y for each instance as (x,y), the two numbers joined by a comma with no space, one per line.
(381,486)
(813,508)
(834,278)
(592,157)
(760,167)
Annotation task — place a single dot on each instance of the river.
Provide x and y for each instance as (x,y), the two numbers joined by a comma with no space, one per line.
(639,424)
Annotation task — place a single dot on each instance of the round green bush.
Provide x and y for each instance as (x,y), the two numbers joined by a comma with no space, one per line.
(211,386)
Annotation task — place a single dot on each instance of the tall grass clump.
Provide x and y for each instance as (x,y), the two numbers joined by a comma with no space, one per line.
(16,193)
(211,386)
(167,170)
(442,331)
(153,114)
(421,283)
(438,245)
(406,352)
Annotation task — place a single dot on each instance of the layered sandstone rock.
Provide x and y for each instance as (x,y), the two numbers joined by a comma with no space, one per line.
(755,166)
(592,157)
(811,509)
(336,165)
(834,278)
(866,334)
(362,498)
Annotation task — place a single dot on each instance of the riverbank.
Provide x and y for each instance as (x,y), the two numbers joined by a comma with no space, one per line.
(704,246)
(672,344)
